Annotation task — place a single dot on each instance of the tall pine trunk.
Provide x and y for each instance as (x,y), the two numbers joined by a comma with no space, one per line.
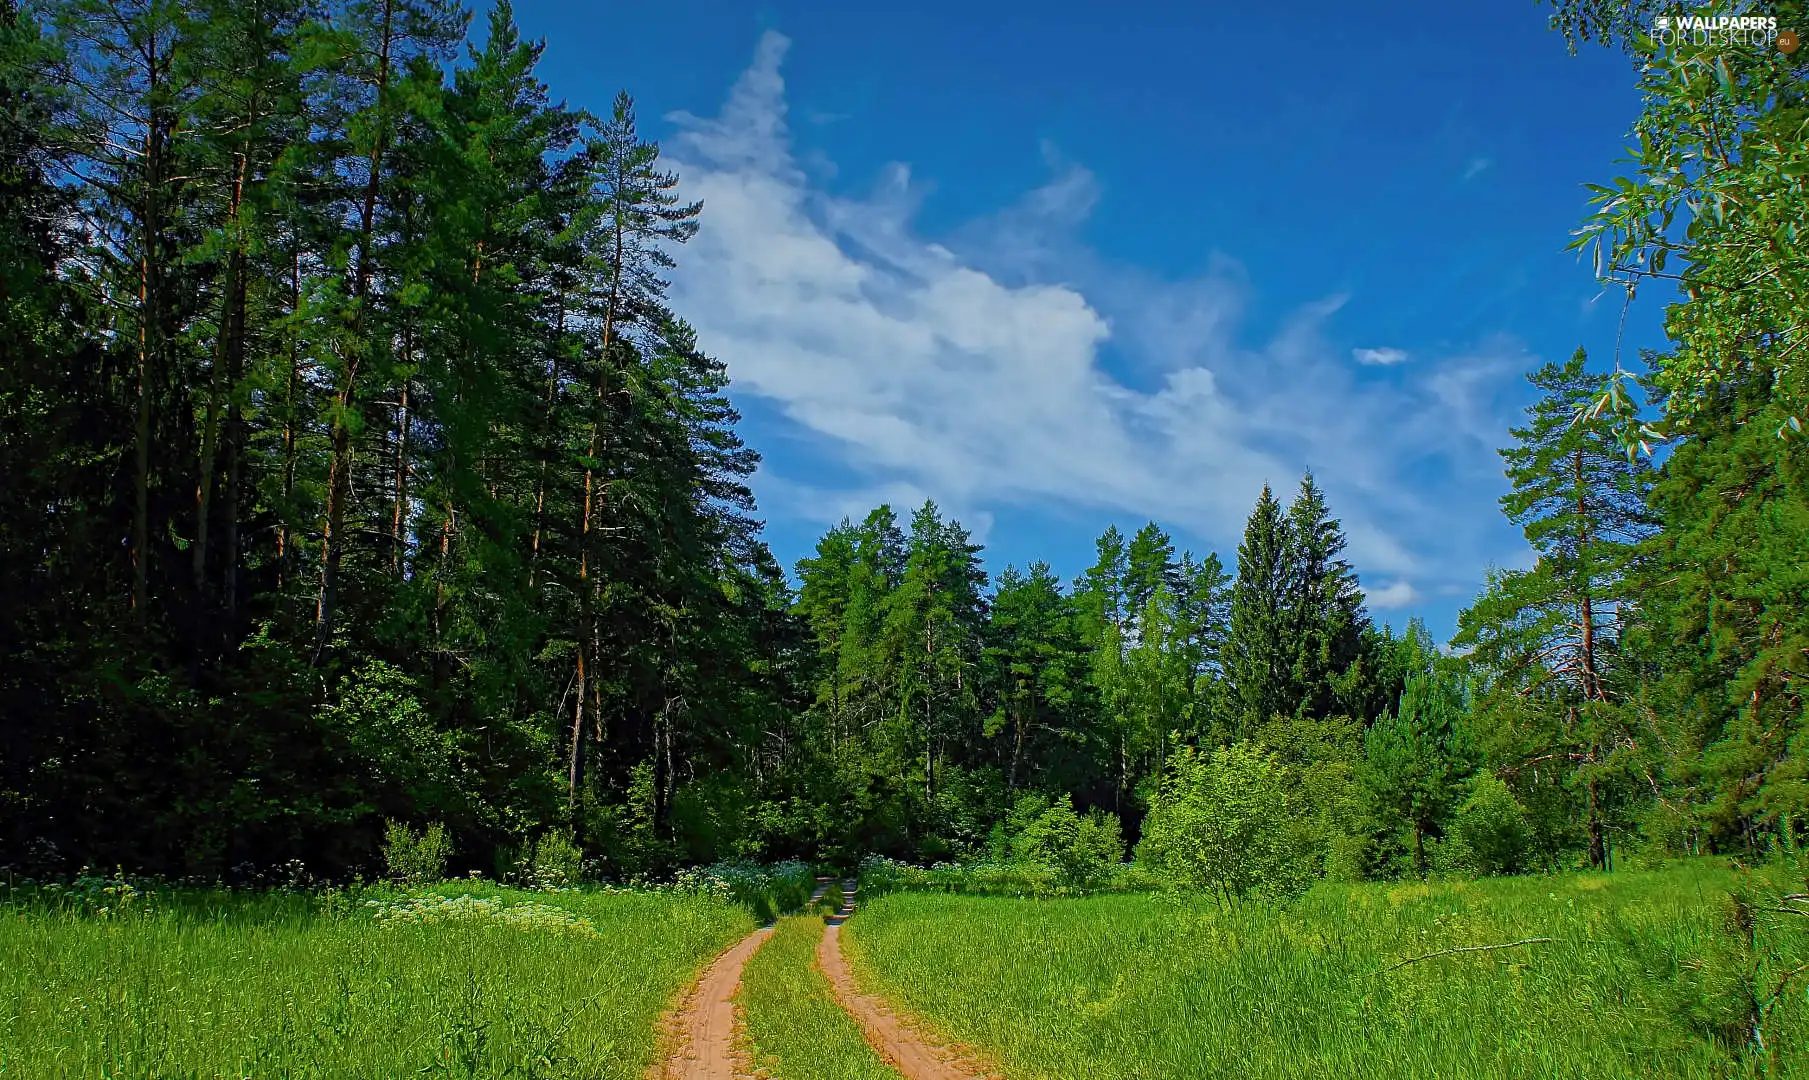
(587,635)
(339,472)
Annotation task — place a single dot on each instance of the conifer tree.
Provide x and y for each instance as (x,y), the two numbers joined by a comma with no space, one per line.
(1553,631)
(1416,760)
(1326,616)
(1036,661)
(1258,656)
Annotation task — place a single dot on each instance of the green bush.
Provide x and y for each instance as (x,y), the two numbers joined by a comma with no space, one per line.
(1224,825)
(1081,851)
(416,858)
(554,861)
(1492,827)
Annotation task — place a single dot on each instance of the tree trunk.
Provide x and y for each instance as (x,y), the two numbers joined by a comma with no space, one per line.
(546,457)
(226,351)
(150,304)
(339,472)
(399,513)
(1017,753)
(1592,689)
(1598,847)
(575,768)
(282,531)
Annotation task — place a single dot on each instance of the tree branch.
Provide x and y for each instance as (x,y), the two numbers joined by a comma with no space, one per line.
(1465,949)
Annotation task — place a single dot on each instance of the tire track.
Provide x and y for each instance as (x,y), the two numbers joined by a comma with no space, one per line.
(701,1029)
(901,1045)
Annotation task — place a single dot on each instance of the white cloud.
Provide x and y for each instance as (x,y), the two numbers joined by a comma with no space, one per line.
(1476,166)
(974,367)
(1393,596)
(1384,357)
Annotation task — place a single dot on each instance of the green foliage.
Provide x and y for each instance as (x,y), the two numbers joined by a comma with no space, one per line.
(1492,826)
(1082,850)
(1415,763)
(1222,824)
(416,858)
(552,861)
(1715,203)
(1258,658)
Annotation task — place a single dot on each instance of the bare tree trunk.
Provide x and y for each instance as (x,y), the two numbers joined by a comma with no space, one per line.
(339,478)
(575,769)
(150,304)
(546,458)
(1592,689)
(282,531)
(399,513)
(232,319)
(141,437)
(587,635)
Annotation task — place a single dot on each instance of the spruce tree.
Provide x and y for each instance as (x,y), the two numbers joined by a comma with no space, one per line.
(1258,654)
(1326,616)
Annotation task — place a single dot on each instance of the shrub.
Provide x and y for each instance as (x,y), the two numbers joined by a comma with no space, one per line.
(416,858)
(1493,827)
(1098,848)
(1221,824)
(553,861)
(1080,851)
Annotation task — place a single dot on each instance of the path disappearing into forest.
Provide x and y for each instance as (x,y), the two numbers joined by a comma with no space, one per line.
(702,1034)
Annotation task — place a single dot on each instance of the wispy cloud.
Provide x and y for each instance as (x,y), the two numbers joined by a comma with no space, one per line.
(1475,167)
(990,367)
(1393,596)
(1384,357)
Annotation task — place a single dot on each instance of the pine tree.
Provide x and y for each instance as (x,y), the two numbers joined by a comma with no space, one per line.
(1415,761)
(1150,566)
(639,216)
(384,67)
(1721,630)
(1553,630)
(934,621)
(1037,665)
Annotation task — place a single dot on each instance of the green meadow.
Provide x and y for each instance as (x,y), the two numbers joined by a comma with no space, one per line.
(1646,975)
(464,980)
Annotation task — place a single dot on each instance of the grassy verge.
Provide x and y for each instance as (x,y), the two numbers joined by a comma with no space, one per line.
(794,1028)
(1643,978)
(464,980)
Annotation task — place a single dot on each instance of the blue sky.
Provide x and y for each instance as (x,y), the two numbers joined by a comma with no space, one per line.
(1058,267)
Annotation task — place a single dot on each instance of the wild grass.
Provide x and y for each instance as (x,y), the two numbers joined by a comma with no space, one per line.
(1647,975)
(793,1028)
(210,984)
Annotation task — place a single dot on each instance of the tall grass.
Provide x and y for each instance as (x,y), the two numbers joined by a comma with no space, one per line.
(794,1029)
(1643,979)
(209,984)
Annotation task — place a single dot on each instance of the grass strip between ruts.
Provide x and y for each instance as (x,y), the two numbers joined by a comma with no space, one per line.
(792,1026)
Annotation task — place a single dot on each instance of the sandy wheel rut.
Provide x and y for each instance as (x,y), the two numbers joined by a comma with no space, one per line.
(702,1030)
(901,1045)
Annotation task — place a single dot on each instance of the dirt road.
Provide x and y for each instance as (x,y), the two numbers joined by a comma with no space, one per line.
(702,1029)
(903,1047)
